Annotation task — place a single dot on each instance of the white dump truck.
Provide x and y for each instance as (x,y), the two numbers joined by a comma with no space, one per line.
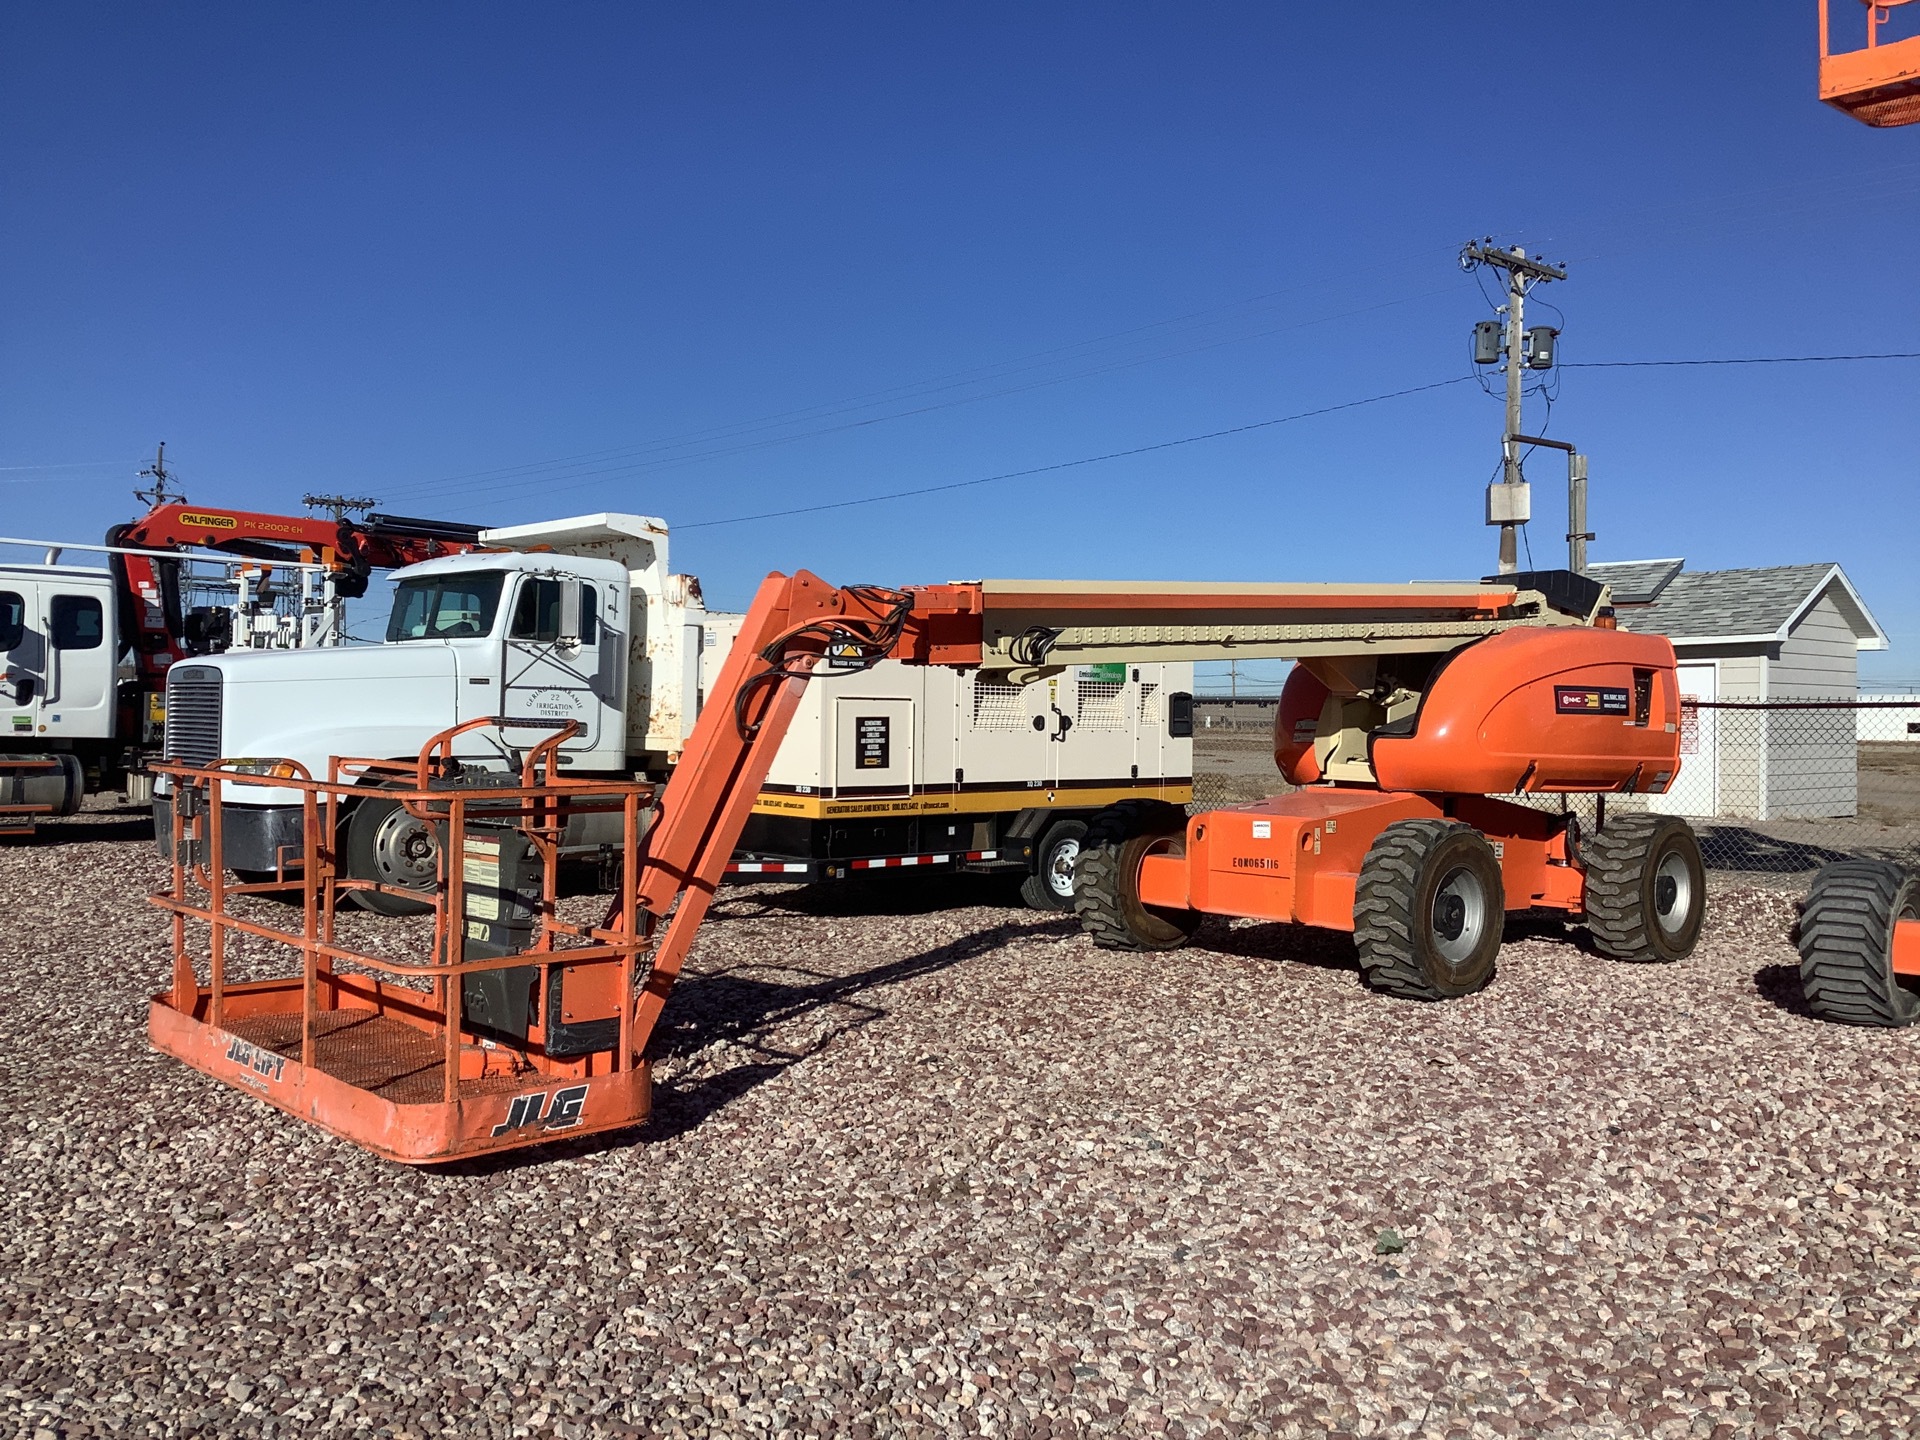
(581,619)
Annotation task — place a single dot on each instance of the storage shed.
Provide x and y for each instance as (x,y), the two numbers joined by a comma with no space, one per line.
(1762,636)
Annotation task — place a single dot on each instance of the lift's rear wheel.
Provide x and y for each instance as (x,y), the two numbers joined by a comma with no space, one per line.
(1428,910)
(1050,887)
(1646,892)
(385,843)
(1846,944)
(1106,894)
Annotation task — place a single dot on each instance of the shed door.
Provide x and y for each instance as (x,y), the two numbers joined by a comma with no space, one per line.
(1696,789)
(873,746)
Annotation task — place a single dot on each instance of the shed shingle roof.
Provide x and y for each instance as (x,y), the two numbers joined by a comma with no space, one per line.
(1728,604)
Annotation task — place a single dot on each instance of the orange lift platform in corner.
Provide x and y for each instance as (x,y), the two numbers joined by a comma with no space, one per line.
(1411,709)
(1877,83)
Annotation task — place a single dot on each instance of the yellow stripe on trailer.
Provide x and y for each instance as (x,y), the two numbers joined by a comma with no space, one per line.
(978,802)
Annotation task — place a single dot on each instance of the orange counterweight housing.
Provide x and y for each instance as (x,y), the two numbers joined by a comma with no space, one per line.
(1542,710)
(1295,721)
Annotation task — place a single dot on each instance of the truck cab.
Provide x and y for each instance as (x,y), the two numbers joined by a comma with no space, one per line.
(59,683)
(571,620)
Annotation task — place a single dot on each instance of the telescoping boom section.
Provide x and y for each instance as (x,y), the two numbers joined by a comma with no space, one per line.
(1410,708)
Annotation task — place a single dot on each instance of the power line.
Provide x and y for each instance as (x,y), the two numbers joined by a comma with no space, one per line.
(1744,360)
(1083,460)
(637,460)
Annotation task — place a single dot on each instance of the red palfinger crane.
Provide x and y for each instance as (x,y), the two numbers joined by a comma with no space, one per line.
(1410,706)
(154,621)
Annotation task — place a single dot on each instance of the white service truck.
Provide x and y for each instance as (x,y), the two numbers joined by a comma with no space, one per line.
(60,684)
(581,619)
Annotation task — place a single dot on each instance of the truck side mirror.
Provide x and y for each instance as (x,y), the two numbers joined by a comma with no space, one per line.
(569,614)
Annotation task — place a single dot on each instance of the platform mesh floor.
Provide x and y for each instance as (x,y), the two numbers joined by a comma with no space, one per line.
(368,1051)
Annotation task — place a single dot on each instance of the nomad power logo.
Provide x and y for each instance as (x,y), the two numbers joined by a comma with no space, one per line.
(525,1110)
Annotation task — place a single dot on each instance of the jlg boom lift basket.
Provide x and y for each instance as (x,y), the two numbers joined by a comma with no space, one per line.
(1877,83)
(1418,720)
(481,1041)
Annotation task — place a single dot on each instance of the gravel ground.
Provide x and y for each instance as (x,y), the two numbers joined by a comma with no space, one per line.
(927,1171)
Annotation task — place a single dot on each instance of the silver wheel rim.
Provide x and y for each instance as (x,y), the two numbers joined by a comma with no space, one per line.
(405,851)
(1060,868)
(1458,918)
(1672,893)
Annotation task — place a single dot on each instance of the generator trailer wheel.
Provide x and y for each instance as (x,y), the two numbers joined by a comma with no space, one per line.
(1428,910)
(1646,891)
(1846,944)
(1050,887)
(1105,880)
(385,843)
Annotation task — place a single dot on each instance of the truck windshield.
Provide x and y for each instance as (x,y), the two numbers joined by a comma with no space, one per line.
(445,607)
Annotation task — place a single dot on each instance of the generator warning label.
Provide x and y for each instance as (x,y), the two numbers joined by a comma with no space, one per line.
(872,743)
(1589,700)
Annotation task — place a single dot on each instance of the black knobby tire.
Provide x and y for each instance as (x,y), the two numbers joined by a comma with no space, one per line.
(1646,889)
(370,836)
(1050,887)
(1428,910)
(1105,892)
(1846,944)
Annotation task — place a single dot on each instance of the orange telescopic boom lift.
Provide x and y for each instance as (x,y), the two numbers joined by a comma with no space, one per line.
(1877,83)
(1860,929)
(1410,707)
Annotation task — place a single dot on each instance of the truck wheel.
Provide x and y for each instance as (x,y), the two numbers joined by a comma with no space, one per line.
(1428,910)
(1846,944)
(386,844)
(1050,887)
(1105,879)
(1646,892)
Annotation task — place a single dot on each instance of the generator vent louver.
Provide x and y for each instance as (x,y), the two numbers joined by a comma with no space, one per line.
(193,714)
(999,705)
(1150,703)
(1103,705)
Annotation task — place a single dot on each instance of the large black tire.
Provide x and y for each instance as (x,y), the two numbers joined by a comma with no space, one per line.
(1646,890)
(386,844)
(1846,944)
(1105,893)
(1050,887)
(1428,910)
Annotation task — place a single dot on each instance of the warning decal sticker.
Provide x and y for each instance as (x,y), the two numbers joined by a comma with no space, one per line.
(1589,700)
(872,743)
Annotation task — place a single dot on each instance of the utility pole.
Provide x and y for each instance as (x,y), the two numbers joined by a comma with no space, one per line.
(160,475)
(338,504)
(1510,510)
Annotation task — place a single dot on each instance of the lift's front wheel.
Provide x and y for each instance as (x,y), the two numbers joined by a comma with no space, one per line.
(385,843)
(1646,891)
(1106,893)
(1428,910)
(1848,933)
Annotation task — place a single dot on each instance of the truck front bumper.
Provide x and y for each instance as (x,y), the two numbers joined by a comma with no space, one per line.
(251,838)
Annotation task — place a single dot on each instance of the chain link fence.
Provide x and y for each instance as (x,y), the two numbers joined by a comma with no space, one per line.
(1775,789)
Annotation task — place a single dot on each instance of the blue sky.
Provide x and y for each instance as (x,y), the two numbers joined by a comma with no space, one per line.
(504,262)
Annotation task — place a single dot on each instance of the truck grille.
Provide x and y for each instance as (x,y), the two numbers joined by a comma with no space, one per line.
(193,714)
